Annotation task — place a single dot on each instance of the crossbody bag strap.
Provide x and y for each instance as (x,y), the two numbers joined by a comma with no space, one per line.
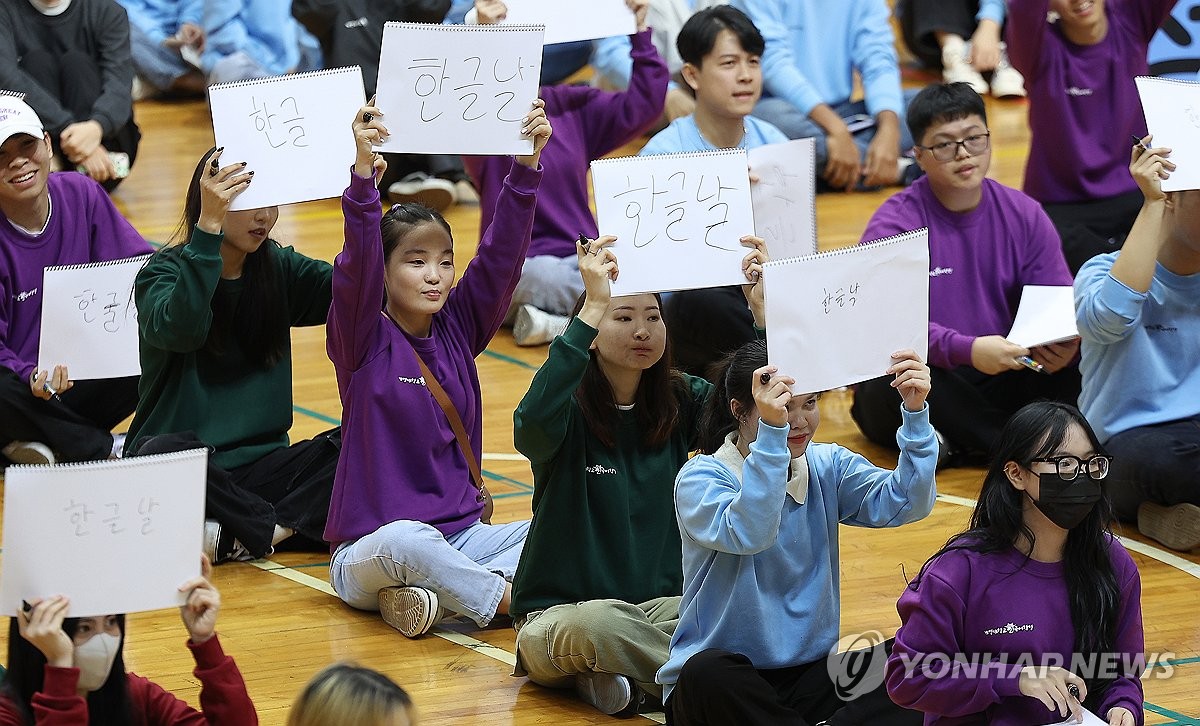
(456,424)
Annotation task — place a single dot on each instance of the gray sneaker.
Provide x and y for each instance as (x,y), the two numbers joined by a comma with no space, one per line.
(532,326)
(418,186)
(411,610)
(1177,527)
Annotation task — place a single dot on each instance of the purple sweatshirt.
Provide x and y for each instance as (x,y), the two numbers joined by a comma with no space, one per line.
(1083,105)
(979,261)
(400,459)
(1001,606)
(588,123)
(84,226)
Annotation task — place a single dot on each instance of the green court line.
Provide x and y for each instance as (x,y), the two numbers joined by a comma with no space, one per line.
(509,359)
(1183,661)
(1179,717)
(317,415)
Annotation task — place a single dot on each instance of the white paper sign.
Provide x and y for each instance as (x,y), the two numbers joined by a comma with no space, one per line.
(1172,110)
(1046,315)
(292,131)
(568,21)
(836,318)
(785,197)
(1089,719)
(458,89)
(117,536)
(678,218)
(89,320)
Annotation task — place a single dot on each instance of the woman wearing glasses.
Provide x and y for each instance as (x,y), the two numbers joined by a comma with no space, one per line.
(1034,611)
(986,242)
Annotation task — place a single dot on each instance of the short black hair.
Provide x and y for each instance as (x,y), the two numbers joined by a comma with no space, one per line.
(699,34)
(940,103)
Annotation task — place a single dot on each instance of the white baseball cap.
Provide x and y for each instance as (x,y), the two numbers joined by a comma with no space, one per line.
(16,117)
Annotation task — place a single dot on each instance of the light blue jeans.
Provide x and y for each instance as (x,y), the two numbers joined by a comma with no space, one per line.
(468,570)
(158,65)
(548,283)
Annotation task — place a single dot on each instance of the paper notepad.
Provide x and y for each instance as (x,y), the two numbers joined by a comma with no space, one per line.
(785,209)
(568,21)
(1089,719)
(1046,315)
(1172,110)
(116,536)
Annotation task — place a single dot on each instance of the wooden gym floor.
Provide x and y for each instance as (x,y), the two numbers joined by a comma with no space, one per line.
(282,623)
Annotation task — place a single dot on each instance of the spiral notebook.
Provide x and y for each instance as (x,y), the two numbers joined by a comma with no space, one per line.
(835,318)
(678,218)
(115,536)
(89,319)
(292,131)
(785,196)
(565,22)
(1172,110)
(458,89)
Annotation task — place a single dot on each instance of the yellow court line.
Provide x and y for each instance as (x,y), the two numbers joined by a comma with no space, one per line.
(466,641)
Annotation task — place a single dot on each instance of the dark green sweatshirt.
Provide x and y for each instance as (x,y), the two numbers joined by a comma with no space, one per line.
(603,518)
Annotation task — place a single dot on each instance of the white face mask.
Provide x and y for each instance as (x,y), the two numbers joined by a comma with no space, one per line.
(94,659)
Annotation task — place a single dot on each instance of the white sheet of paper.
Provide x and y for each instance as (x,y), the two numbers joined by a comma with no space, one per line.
(785,197)
(292,131)
(89,319)
(678,218)
(836,318)
(458,89)
(567,21)
(1172,109)
(1046,315)
(115,536)
(1089,719)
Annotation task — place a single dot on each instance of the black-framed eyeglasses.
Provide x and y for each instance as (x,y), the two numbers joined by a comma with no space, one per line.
(1069,467)
(948,150)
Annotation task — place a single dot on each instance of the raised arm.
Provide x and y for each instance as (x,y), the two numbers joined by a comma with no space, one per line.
(1025,34)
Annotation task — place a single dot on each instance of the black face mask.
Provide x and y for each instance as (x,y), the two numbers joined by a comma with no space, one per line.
(1066,503)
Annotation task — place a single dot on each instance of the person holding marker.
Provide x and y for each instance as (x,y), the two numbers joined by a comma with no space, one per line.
(49,219)
(1140,324)
(986,242)
(71,671)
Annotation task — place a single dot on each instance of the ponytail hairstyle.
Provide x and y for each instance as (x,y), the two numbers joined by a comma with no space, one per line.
(107,706)
(258,324)
(656,403)
(1037,431)
(732,374)
(400,219)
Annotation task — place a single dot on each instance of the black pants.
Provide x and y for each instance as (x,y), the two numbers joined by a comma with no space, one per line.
(1094,228)
(290,486)
(719,688)
(74,79)
(705,325)
(967,407)
(75,428)
(1159,463)
(920,19)
(442,166)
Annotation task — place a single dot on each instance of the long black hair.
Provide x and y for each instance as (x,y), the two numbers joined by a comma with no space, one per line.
(656,403)
(1036,431)
(258,323)
(732,374)
(107,706)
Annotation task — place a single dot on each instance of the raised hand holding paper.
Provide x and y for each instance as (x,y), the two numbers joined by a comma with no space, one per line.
(678,218)
(291,132)
(114,536)
(1046,315)
(568,21)
(785,210)
(1172,110)
(89,320)
(458,89)
(837,317)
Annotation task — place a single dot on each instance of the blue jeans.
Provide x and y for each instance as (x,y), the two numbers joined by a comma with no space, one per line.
(796,125)
(468,570)
(548,283)
(157,65)
(1159,464)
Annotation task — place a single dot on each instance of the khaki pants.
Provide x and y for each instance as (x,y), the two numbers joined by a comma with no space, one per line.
(606,636)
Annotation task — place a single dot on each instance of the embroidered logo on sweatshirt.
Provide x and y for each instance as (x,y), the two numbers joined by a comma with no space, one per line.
(598,469)
(1077,91)
(1009,629)
(25,295)
(415,381)
(939,271)
(1160,328)
(352,24)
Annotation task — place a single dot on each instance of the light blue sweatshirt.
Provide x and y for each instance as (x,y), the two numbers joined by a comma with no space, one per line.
(814,47)
(991,10)
(160,19)
(682,135)
(1140,351)
(760,571)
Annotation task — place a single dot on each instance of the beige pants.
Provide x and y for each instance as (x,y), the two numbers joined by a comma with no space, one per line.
(606,636)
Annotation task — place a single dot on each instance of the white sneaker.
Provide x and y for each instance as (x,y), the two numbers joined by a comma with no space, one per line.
(609,693)
(464,193)
(220,546)
(957,69)
(418,186)
(1007,82)
(411,610)
(28,452)
(532,326)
